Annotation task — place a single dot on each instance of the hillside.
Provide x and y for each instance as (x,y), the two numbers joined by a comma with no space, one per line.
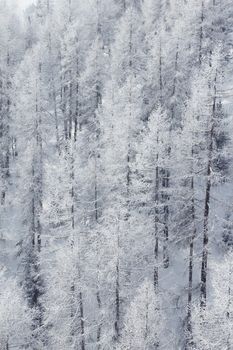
(116,175)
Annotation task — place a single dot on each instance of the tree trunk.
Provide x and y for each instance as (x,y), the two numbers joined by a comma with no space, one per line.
(73,287)
(207,206)
(166,216)
(76,116)
(34,283)
(190,279)
(175,82)
(70,105)
(128,173)
(99,329)
(229,302)
(82,323)
(56,119)
(54,97)
(117,302)
(205,239)
(96,191)
(156,247)
(160,74)
(201,33)
(5,130)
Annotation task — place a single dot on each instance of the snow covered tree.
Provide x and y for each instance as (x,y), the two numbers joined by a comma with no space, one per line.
(143,325)
(11,44)
(151,161)
(212,330)
(15,320)
(31,188)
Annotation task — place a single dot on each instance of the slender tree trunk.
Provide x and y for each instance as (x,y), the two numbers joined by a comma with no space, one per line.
(63,98)
(175,82)
(147,317)
(70,105)
(76,116)
(97,157)
(166,216)
(5,133)
(156,247)
(229,302)
(39,194)
(98,296)
(117,291)
(83,346)
(96,201)
(73,287)
(205,239)
(54,96)
(56,118)
(33,277)
(64,101)
(165,181)
(40,181)
(160,73)
(99,329)
(96,190)
(64,107)
(203,294)
(190,278)
(128,173)
(117,301)
(201,33)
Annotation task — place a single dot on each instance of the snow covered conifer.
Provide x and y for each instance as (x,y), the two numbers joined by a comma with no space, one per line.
(143,323)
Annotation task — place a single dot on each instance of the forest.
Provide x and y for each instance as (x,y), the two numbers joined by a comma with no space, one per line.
(116,175)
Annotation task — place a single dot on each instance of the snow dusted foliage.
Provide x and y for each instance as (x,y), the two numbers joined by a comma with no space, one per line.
(116,175)
(143,324)
(63,299)
(213,328)
(15,320)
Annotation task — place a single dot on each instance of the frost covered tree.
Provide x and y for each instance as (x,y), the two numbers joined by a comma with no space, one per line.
(151,161)
(213,329)
(31,188)
(11,44)
(15,318)
(143,325)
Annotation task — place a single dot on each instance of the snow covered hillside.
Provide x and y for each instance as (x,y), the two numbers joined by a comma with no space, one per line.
(116,175)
